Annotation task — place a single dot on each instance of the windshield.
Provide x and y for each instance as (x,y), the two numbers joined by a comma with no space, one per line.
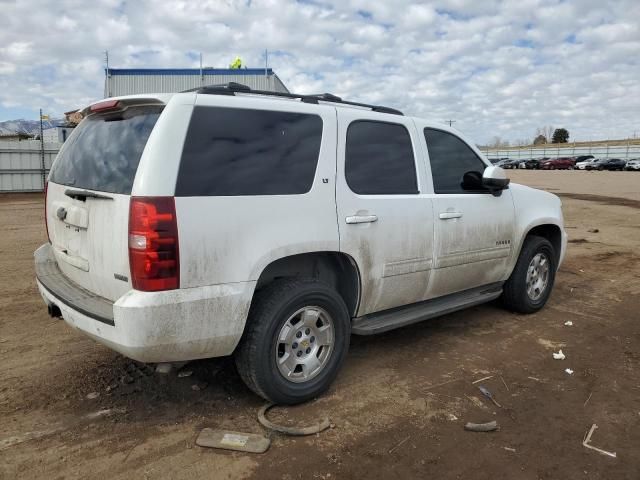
(104,151)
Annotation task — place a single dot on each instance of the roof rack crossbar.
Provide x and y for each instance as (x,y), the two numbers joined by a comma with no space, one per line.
(232,88)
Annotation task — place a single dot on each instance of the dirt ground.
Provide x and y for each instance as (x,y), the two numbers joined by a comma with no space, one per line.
(399,405)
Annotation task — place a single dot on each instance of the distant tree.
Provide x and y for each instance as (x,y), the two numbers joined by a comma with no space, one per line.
(561,135)
(540,140)
(497,142)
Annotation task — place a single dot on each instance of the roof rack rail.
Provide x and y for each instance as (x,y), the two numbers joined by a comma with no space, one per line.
(232,88)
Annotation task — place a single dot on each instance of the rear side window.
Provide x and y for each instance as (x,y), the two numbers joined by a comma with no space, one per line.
(231,151)
(450,159)
(379,159)
(104,151)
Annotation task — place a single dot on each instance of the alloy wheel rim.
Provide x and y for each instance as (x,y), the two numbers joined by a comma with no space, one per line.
(305,344)
(537,276)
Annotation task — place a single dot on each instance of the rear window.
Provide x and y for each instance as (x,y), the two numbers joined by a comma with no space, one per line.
(104,151)
(232,152)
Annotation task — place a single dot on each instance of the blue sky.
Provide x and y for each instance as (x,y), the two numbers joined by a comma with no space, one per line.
(500,69)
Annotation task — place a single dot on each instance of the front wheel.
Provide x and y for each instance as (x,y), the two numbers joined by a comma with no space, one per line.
(295,340)
(531,281)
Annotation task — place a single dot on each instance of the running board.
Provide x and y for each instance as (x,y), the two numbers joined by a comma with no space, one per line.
(417,312)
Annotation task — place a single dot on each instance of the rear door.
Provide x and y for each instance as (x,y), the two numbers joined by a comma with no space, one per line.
(88,196)
(385,223)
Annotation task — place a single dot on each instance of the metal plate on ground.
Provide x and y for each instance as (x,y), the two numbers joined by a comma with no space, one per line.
(229,440)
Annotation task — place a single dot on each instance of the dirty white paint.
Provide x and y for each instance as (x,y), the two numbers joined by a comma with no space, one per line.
(91,243)
(407,255)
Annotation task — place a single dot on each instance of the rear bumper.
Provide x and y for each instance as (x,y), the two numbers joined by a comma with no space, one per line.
(170,326)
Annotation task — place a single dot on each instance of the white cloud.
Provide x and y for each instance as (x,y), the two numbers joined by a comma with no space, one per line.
(497,68)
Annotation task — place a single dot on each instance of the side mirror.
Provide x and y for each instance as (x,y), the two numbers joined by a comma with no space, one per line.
(495,180)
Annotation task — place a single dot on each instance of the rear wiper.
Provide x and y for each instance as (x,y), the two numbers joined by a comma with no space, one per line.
(82,195)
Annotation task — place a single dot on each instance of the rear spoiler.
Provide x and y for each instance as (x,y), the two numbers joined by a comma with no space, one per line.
(120,103)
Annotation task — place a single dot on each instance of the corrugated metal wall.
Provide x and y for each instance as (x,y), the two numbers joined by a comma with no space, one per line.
(21,165)
(131,82)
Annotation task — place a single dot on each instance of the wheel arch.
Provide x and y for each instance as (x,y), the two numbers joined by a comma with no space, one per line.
(336,269)
(551,232)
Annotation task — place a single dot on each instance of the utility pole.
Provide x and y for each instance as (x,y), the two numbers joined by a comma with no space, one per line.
(42,165)
(107,75)
(266,61)
(450,122)
(201,72)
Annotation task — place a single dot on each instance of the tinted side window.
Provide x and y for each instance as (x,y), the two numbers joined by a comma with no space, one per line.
(450,159)
(379,159)
(231,151)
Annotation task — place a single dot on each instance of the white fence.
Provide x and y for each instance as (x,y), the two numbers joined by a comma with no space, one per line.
(21,165)
(603,150)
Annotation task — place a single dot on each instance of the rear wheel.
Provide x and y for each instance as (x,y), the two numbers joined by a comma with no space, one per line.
(295,341)
(531,281)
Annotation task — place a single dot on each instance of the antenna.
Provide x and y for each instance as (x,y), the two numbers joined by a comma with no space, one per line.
(450,122)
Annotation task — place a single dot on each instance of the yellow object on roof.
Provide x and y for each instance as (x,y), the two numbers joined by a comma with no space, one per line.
(237,63)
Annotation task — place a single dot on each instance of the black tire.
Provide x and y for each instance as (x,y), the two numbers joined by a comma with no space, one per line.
(256,354)
(514,295)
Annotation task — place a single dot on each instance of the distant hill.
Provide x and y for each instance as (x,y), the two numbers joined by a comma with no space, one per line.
(31,127)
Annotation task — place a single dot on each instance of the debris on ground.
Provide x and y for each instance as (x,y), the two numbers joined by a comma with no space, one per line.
(482,379)
(93,395)
(452,417)
(185,373)
(568,323)
(164,368)
(593,230)
(476,401)
(322,424)
(488,394)
(482,427)
(559,355)
(229,440)
(587,440)
(504,383)
(196,387)
(509,449)
(402,442)
(569,371)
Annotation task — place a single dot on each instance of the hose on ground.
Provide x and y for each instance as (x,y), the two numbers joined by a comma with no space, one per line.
(296,431)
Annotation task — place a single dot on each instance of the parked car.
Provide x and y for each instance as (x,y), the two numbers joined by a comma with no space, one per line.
(533,163)
(607,164)
(562,163)
(582,165)
(206,224)
(510,164)
(633,164)
(502,161)
(584,158)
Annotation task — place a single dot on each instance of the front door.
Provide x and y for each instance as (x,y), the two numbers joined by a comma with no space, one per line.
(385,223)
(474,233)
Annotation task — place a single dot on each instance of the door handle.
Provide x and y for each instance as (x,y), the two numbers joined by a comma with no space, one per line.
(448,215)
(361,219)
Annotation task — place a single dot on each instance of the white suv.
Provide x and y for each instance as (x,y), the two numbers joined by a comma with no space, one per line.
(273,226)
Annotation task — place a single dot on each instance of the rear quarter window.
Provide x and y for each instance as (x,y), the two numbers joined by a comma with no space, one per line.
(232,152)
(104,151)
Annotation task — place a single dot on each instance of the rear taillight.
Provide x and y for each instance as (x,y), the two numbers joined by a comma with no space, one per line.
(46,221)
(153,244)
